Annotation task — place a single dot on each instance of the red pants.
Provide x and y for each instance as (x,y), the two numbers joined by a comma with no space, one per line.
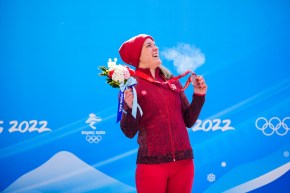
(173,177)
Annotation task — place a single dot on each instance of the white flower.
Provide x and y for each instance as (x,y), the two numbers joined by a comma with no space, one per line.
(111,64)
(118,76)
(121,73)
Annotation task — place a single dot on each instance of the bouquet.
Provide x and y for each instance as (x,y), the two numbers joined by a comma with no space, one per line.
(116,74)
(120,76)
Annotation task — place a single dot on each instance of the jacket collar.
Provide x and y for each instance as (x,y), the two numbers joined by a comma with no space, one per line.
(148,72)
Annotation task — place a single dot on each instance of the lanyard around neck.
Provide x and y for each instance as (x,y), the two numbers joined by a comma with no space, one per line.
(168,82)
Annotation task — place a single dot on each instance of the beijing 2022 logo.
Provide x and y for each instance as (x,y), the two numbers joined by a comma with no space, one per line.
(94,135)
(273,125)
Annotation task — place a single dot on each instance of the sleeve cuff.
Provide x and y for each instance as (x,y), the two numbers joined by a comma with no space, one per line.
(198,94)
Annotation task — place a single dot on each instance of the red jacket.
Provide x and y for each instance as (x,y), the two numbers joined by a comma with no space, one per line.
(162,129)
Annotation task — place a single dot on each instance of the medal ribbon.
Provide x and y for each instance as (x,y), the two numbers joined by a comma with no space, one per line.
(168,82)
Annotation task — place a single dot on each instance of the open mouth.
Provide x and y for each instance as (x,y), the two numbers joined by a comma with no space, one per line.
(155,55)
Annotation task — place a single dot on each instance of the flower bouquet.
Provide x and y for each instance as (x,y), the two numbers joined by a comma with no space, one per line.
(120,76)
(116,74)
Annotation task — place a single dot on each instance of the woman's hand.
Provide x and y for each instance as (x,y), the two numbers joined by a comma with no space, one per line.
(199,84)
(129,97)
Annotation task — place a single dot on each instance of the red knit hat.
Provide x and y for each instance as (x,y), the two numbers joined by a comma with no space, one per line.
(130,50)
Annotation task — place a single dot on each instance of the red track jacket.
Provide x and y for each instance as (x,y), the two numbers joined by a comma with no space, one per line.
(162,129)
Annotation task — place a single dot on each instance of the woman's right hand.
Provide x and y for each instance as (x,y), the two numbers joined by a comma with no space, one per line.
(129,97)
(199,84)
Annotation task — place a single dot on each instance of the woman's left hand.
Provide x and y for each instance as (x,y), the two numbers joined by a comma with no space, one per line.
(199,84)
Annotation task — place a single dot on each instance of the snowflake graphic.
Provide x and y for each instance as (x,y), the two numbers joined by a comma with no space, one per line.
(211,177)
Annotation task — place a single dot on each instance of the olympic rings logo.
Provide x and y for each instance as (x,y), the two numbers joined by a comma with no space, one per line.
(268,128)
(93,138)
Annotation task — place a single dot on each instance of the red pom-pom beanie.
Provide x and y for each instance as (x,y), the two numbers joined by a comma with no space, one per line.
(130,50)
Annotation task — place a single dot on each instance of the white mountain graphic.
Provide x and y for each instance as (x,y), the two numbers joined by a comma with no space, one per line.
(65,172)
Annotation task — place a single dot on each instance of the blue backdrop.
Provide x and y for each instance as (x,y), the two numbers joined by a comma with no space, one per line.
(58,130)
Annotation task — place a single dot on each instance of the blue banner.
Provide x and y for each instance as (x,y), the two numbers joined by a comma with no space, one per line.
(58,130)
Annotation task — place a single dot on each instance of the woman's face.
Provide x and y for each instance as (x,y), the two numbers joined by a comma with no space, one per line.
(149,57)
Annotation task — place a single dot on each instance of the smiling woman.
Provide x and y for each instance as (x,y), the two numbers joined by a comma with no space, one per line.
(162,136)
(149,56)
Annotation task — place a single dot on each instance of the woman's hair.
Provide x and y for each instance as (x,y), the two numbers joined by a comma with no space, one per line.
(165,72)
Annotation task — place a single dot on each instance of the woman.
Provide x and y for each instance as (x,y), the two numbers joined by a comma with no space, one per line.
(165,157)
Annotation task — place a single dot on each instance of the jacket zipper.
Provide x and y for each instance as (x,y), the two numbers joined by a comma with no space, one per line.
(169,128)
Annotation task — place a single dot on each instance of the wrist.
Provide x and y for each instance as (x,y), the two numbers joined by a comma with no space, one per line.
(199,94)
